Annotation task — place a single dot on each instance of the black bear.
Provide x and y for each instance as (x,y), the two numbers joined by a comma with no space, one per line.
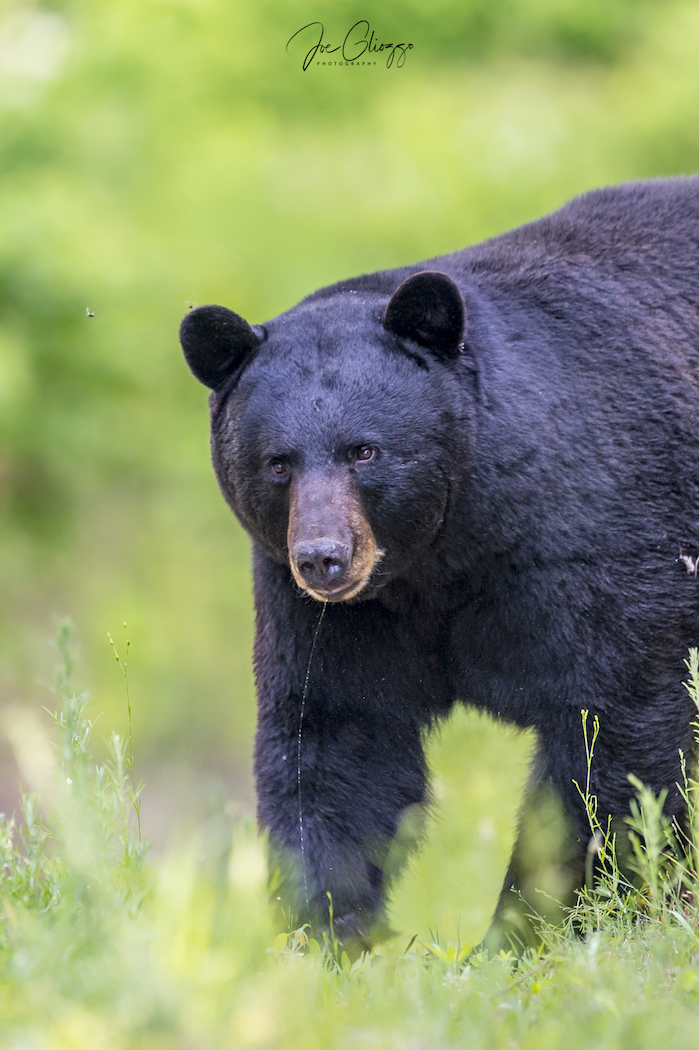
(474,479)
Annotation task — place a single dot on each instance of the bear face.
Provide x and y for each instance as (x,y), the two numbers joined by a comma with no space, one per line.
(337,443)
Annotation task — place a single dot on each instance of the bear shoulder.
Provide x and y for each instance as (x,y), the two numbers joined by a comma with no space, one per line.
(647,228)
(635,227)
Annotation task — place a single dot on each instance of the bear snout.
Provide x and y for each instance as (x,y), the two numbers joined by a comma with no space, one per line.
(331,547)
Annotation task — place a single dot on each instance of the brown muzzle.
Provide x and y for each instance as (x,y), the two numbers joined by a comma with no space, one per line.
(332,550)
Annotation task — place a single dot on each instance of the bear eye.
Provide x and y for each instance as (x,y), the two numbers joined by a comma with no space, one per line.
(280,468)
(364,453)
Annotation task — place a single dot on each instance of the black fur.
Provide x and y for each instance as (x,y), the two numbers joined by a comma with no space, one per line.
(531,491)
(216,343)
(428,308)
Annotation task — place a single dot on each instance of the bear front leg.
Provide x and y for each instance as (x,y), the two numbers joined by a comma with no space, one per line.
(548,861)
(340,830)
(546,869)
(341,777)
(554,852)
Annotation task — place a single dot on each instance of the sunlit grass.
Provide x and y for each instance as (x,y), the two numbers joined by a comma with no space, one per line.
(100,947)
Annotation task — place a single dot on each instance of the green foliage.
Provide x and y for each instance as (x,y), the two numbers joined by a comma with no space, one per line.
(101,948)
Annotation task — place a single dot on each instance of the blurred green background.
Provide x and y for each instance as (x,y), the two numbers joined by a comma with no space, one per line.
(157,153)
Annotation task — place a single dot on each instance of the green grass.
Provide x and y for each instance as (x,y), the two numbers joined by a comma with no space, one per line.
(101,947)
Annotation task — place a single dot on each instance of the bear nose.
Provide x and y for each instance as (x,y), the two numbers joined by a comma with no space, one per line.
(322,562)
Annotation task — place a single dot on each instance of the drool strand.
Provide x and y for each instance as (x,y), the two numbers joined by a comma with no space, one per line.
(298,752)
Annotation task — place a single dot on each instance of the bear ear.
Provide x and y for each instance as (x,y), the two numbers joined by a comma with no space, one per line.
(428,308)
(216,342)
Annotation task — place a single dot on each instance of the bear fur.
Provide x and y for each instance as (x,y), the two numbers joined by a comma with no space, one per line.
(474,479)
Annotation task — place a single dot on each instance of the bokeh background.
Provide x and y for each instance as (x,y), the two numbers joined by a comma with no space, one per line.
(159,153)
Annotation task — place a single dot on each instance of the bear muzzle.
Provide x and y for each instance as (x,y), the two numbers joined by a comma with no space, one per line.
(332,549)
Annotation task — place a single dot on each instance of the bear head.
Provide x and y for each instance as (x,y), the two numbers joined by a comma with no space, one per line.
(337,429)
